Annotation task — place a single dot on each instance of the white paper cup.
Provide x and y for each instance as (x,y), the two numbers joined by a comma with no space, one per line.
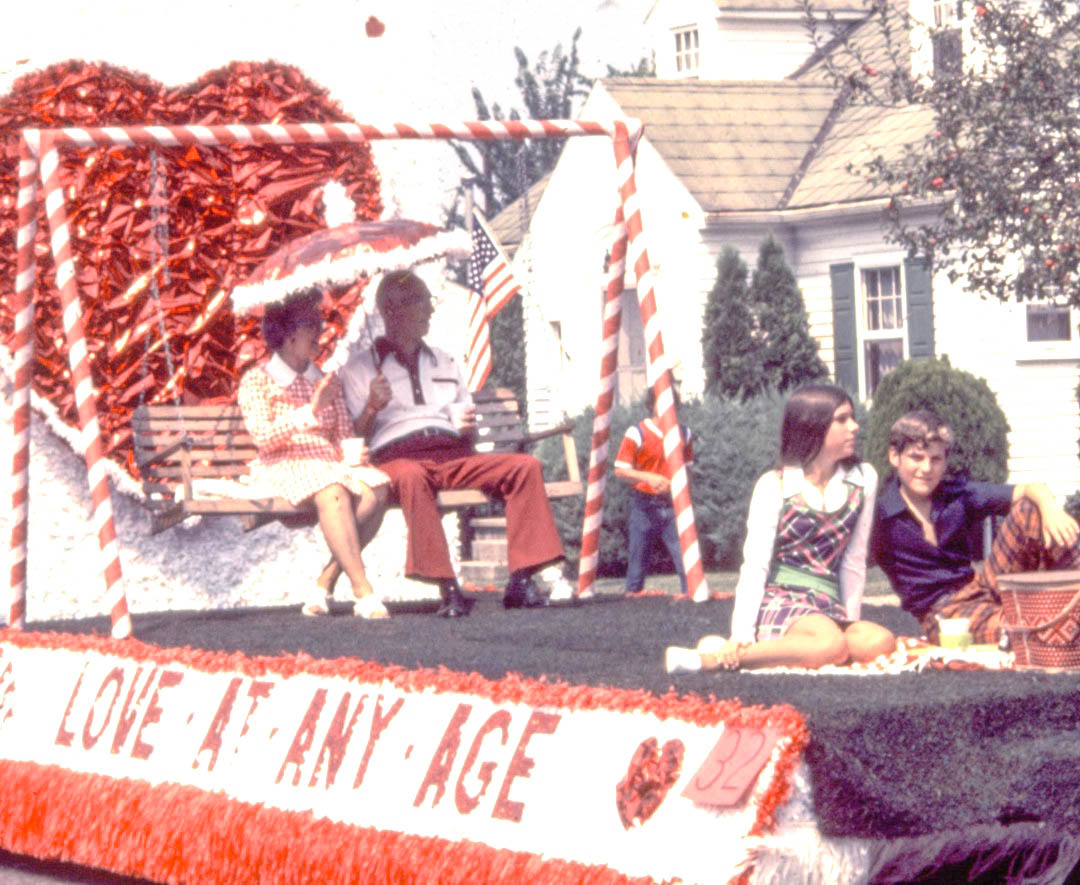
(458,411)
(954,632)
(354,451)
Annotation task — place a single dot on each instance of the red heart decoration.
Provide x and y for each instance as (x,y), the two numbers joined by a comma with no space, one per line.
(374,27)
(227,210)
(651,774)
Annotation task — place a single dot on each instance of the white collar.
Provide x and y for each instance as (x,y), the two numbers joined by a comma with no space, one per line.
(282,374)
(792,478)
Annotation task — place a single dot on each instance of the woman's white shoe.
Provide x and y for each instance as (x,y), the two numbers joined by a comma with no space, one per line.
(370,607)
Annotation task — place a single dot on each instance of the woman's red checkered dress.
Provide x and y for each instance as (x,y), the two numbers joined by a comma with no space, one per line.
(297,457)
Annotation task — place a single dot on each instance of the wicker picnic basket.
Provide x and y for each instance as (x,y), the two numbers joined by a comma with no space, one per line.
(1040,611)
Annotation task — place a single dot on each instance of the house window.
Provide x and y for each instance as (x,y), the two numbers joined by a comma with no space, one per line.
(946,13)
(686,50)
(882,326)
(1048,322)
(946,40)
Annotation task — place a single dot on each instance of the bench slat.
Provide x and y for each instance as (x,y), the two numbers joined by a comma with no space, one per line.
(221,448)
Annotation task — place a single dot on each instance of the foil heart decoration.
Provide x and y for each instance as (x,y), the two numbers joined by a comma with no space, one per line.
(161,235)
(649,777)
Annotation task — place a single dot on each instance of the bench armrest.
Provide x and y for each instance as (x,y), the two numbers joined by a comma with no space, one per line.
(529,439)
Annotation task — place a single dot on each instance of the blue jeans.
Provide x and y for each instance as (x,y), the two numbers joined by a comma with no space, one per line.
(652,518)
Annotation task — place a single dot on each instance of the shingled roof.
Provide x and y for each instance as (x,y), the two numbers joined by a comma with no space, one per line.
(735,145)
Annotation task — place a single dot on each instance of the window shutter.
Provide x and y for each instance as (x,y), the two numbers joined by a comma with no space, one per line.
(844,337)
(920,308)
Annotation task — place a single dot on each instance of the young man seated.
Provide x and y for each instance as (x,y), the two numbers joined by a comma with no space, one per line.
(923,524)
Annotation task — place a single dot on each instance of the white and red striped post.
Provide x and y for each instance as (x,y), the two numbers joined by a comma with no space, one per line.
(85,400)
(601,433)
(654,346)
(23,351)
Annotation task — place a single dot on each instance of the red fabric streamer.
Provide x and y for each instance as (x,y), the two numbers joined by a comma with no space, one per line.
(232,206)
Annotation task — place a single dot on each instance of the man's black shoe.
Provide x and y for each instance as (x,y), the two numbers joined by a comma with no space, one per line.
(454,605)
(522,593)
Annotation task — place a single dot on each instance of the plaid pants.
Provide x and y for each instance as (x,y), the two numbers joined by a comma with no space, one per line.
(1018,547)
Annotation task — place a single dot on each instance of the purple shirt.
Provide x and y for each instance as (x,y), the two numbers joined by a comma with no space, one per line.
(920,572)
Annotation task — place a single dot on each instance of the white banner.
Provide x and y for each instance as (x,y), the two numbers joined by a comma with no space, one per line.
(424,761)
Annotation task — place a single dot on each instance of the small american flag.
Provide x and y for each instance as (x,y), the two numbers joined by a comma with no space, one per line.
(491,285)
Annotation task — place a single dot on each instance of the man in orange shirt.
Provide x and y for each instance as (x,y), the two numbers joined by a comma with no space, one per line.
(641,463)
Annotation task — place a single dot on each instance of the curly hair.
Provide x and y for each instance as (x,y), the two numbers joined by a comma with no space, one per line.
(281,319)
(920,427)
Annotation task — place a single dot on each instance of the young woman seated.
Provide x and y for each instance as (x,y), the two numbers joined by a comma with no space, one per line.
(799,595)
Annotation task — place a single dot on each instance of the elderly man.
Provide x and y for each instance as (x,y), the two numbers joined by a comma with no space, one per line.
(410,401)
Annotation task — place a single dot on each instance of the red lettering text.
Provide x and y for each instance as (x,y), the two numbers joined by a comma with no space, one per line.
(521,765)
(63,736)
(7,679)
(337,740)
(466,803)
(378,724)
(128,712)
(443,760)
(305,734)
(116,679)
(169,679)
(212,740)
(259,690)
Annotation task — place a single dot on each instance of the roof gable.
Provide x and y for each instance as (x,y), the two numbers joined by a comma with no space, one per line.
(736,146)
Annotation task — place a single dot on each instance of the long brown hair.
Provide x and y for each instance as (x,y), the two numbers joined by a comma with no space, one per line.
(807,415)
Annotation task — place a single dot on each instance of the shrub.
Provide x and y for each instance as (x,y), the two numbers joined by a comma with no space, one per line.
(730,352)
(734,443)
(966,403)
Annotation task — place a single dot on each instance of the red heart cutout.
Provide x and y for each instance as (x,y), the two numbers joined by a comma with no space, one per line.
(651,774)
(227,210)
(374,27)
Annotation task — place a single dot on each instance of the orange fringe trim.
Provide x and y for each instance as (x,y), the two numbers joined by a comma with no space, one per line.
(173,833)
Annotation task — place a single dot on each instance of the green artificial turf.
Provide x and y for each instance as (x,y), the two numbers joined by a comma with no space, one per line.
(889,756)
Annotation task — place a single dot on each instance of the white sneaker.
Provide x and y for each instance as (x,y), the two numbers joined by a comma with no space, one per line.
(681,660)
(558,588)
(316,602)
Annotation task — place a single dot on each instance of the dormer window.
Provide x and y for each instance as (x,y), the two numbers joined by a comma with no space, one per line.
(946,39)
(686,50)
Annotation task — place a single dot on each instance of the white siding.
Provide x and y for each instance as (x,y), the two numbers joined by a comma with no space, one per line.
(762,44)
(1035,384)
(570,232)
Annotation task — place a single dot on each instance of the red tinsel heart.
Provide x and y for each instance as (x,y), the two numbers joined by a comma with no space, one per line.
(651,774)
(216,214)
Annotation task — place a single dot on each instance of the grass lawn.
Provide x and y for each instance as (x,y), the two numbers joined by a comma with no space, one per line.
(877,585)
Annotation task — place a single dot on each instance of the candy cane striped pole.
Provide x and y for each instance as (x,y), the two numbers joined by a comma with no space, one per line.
(22,343)
(79,361)
(327,133)
(598,453)
(654,346)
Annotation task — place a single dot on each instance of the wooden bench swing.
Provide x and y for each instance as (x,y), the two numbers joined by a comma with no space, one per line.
(177,446)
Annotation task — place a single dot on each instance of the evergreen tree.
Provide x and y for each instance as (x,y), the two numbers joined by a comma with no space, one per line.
(732,360)
(502,171)
(789,355)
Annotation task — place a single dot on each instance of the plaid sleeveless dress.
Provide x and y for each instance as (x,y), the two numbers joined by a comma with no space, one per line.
(804,575)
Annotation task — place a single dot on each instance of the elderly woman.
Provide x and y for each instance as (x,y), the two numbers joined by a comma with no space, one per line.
(297,418)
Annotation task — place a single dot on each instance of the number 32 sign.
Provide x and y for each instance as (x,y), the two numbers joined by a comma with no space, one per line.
(732,765)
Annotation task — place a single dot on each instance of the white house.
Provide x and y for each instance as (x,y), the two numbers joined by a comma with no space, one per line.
(727,162)
(736,39)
